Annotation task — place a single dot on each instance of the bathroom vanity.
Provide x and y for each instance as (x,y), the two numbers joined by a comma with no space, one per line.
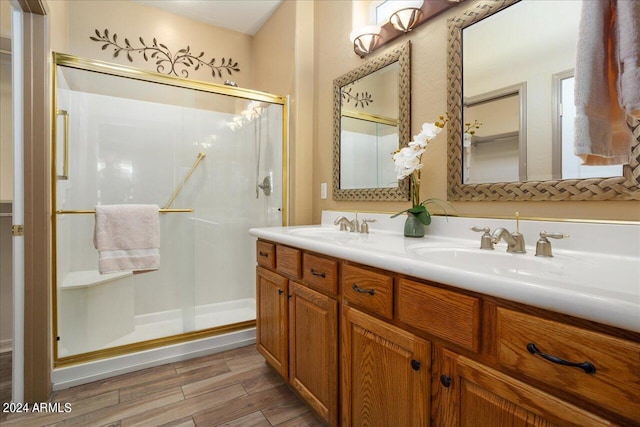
(379,329)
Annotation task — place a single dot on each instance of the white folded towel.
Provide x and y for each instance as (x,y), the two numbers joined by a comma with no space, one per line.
(127,238)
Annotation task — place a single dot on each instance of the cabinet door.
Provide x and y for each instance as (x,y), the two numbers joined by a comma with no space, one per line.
(385,373)
(313,349)
(471,394)
(271,319)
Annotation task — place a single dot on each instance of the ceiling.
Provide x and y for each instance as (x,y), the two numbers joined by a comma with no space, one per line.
(244,16)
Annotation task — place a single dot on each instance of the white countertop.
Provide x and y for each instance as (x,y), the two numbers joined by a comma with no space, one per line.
(594,275)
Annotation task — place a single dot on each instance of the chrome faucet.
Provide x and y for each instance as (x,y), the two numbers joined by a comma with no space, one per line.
(515,241)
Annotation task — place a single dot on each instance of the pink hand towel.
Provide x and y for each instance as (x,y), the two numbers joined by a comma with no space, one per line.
(628,17)
(127,238)
(601,133)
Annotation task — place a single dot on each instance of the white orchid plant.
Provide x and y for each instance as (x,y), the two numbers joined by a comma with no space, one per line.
(408,162)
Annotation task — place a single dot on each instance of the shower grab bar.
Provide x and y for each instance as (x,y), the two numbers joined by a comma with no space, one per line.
(92,211)
(184,181)
(65,147)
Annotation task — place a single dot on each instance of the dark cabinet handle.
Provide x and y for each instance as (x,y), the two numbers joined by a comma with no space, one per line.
(445,380)
(315,273)
(587,367)
(280,292)
(362,291)
(415,365)
(263,254)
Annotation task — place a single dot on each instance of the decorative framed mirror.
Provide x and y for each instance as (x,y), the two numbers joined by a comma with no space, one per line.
(542,61)
(371,120)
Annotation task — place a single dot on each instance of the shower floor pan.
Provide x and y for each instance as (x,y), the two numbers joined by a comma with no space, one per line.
(175,322)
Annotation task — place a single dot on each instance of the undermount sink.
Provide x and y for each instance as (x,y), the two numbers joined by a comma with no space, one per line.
(327,233)
(484,259)
(563,270)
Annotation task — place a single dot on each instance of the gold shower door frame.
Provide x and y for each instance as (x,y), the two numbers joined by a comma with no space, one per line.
(70,61)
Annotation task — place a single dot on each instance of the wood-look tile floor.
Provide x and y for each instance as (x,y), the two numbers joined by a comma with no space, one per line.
(234,388)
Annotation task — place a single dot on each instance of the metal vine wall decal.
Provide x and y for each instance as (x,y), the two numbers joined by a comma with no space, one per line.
(163,57)
(360,99)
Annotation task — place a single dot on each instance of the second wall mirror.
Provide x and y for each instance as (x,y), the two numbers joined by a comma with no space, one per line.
(510,66)
(371,120)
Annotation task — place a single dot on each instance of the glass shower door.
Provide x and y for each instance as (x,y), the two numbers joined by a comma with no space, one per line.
(205,157)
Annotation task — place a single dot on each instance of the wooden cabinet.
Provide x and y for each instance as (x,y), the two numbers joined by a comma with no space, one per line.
(599,368)
(440,312)
(411,352)
(368,289)
(266,254)
(320,273)
(472,394)
(385,373)
(313,349)
(297,327)
(272,319)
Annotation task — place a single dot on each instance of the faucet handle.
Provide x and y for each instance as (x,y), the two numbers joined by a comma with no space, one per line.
(544,234)
(481,229)
(364,227)
(485,240)
(543,247)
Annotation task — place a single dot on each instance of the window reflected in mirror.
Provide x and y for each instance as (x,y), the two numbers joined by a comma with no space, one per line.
(568,165)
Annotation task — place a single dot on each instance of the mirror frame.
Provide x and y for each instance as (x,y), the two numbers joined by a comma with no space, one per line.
(626,187)
(401,54)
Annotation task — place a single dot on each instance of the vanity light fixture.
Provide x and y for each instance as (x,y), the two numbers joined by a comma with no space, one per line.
(407,15)
(365,39)
(399,17)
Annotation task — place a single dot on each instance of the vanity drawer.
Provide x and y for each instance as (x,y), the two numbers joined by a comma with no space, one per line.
(288,261)
(266,254)
(320,273)
(368,289)
(445,314)
(615,384)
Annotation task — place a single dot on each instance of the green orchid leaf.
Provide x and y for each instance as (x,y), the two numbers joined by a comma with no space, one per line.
(399,213)
(421,213)
(425,217)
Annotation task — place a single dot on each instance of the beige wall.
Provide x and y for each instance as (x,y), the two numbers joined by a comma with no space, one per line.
(5,18)
(334,57)
(282,54)
(73,22)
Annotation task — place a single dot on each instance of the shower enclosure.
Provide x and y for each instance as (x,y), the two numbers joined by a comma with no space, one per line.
(212,158)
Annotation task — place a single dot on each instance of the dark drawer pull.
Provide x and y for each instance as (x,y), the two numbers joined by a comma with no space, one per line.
(263,254)
(587,367)
(315,273)
(362,291)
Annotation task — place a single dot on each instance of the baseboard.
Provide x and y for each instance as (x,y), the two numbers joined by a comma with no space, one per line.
(74,375)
